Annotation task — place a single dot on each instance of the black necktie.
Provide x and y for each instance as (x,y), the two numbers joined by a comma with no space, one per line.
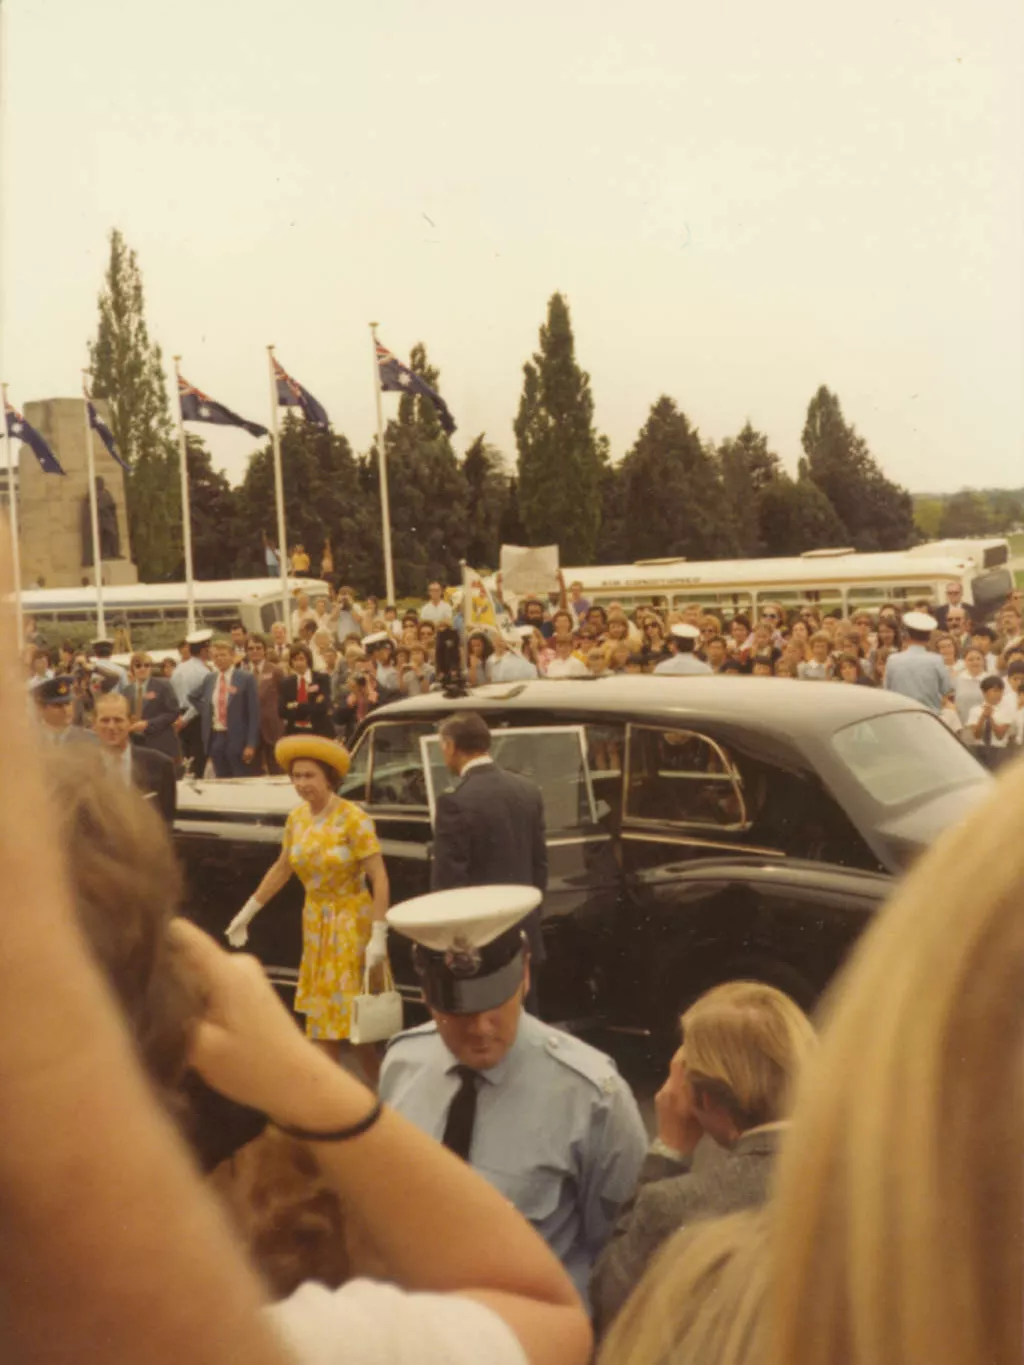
(458,1129)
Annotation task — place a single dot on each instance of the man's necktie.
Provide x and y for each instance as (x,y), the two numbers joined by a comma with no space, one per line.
(986,731)
(458,1130)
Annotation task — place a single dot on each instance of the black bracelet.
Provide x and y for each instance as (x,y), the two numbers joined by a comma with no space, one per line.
(339,1134)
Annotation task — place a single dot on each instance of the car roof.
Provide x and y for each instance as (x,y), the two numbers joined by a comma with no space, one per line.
(772,705)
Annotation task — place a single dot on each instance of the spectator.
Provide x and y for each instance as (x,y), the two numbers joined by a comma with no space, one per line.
(381,649)
(269,679)
(988,724)
(345,620)
(154,710)
(322,641)
(365,694)
(578,604)
(848,670)
(889,635)
(957,628)
(744,1047)
(507,664)
(227,702)
(984,638)
(531,613)
(878,664)
(618,656)
(302,613)
(716,650)
(277,651)
(916,673)
(299,561)
(418,677)
(762,665)
(685,660)
(436,610)
(478,650)
(239,640)
(565,663)
(305,696)
(954,597)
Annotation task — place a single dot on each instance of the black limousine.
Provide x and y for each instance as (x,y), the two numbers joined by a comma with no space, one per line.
(699,829)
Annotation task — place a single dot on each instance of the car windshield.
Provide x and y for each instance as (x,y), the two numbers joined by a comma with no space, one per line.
(904,756)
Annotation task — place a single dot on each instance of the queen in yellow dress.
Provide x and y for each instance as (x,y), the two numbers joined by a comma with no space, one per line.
(331,846)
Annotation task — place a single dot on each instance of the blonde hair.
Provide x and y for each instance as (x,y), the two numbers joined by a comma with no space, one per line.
(746,1044)
(900,1192)
(701,1300)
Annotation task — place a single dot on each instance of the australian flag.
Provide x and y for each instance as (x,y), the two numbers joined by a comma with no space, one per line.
(398,378)
(291,394)
(104,433)
(19,430)
(196,407)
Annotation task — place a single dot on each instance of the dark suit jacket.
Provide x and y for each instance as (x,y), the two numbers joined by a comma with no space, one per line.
(243,709)
(736,1178)
(153,774)
(316,710)
(490,830)
(268,685)
(159,710)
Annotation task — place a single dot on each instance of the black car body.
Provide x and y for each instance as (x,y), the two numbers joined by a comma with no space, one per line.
(699,829)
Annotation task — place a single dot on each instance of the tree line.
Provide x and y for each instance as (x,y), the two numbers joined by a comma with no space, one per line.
(672,493)
(970,512)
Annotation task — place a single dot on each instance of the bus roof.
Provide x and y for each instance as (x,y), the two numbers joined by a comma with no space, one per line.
(167,594)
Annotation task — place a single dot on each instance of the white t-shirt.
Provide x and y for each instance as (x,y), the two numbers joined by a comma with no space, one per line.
(999,715)
(377,1324)
(438,614)
(568,668)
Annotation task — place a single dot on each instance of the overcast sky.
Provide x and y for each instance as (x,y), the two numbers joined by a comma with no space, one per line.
(741,201)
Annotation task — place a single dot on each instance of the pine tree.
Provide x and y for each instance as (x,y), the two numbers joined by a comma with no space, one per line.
(560,466)
(877,514)
(796,516)
(511,530)
(747,467)
(486,496)
(672,497)
(213,507)
(127,371)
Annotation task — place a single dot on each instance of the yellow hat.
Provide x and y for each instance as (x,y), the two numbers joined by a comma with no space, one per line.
(328,751)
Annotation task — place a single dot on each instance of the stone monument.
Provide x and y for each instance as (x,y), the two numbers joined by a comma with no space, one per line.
(53,512)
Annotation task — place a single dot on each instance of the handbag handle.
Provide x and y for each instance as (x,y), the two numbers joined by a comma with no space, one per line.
(389,980)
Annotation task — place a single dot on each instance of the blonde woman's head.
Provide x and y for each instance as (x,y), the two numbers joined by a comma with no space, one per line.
(900,1193)
(744,1046)
(701,1301)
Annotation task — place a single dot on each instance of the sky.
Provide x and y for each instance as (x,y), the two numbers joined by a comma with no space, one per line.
(740,202)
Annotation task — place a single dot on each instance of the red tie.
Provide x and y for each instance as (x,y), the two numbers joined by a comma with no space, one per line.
(222,702)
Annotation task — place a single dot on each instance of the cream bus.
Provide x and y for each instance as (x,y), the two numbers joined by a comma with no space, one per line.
(157,612)
(839,580)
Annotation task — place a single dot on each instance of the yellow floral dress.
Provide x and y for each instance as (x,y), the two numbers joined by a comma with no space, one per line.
(325,854)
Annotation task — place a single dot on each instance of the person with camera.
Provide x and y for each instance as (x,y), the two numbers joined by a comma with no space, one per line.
(365,694)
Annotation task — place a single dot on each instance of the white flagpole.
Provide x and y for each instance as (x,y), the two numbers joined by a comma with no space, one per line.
(282,544)
(94,515)
(385,503)
(12,505)
(186,510)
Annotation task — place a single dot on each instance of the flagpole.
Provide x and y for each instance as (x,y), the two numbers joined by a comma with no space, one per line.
(12,506)
(186,510)
(282,544)
(94,513)
(385,503)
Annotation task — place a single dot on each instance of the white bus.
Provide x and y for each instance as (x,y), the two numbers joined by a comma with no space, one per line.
(162,608)
(831,580)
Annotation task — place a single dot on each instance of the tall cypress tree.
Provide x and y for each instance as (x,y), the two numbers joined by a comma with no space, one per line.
(877,514)
(127,371)
(560,464)
(487,494)
(671,490)
(747,467)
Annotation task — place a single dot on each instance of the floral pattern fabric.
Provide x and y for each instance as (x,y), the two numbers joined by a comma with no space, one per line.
(326,855)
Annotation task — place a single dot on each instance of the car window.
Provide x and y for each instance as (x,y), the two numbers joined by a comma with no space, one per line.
(681,777)
(904,756)
(553,757)
(353,787)
(396,770)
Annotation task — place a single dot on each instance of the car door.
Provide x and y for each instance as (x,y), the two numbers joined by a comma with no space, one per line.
(583,876)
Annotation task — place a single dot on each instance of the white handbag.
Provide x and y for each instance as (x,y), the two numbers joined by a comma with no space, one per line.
(376,1018)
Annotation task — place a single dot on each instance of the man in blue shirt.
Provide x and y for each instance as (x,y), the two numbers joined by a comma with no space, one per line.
(546,1118)
(684,660)
(916,672)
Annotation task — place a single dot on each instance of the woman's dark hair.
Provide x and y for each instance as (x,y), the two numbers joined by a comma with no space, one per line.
(732,666)
(740,619)
(488,648)
(306,653)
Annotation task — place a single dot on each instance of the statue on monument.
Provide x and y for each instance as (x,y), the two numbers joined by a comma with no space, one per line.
(106,513)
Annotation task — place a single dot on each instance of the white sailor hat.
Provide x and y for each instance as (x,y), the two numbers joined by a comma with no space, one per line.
(379,637)
(684,631)
(199,637)
(469,944)
(920,620)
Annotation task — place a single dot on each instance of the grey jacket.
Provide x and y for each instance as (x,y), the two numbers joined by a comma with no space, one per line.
(737,1178)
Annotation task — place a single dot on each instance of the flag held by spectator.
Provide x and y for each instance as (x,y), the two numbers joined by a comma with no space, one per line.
(291,394)
(18,429)
(104,433)
(398,378)
(196,407)
(478,609)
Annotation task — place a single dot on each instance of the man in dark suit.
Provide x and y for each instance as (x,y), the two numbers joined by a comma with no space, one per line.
(490,829)
(229,708)
(269,677)
(154,710)
(147,769)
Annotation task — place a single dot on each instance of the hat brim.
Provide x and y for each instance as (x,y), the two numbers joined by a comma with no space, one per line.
(324,750)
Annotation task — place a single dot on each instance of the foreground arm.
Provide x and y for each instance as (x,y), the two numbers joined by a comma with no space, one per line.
(397,1183)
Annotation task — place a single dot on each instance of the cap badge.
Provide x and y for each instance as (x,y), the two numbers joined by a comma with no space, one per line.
(462,959)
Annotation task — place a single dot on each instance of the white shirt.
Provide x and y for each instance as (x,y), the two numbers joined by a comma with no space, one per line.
(999,715)
(568,668)
(298,617)
(438,613)
(482,762)
(377,1324)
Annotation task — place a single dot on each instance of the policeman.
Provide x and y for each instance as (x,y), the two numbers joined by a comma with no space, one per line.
(684,660)
(53,698)
(918,673)
(102,649)
(545,1118)
(186,678)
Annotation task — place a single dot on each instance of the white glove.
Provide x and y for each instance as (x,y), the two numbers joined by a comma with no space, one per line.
(377,948)
(237,932)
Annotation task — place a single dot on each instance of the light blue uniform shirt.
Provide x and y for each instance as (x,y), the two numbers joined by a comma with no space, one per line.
(683,663)
(920,675)
(557,1130)
(511,667)
(186,678)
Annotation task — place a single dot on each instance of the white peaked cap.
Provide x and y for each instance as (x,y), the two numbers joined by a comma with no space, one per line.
(684,631)
(920,620)
(473,915)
